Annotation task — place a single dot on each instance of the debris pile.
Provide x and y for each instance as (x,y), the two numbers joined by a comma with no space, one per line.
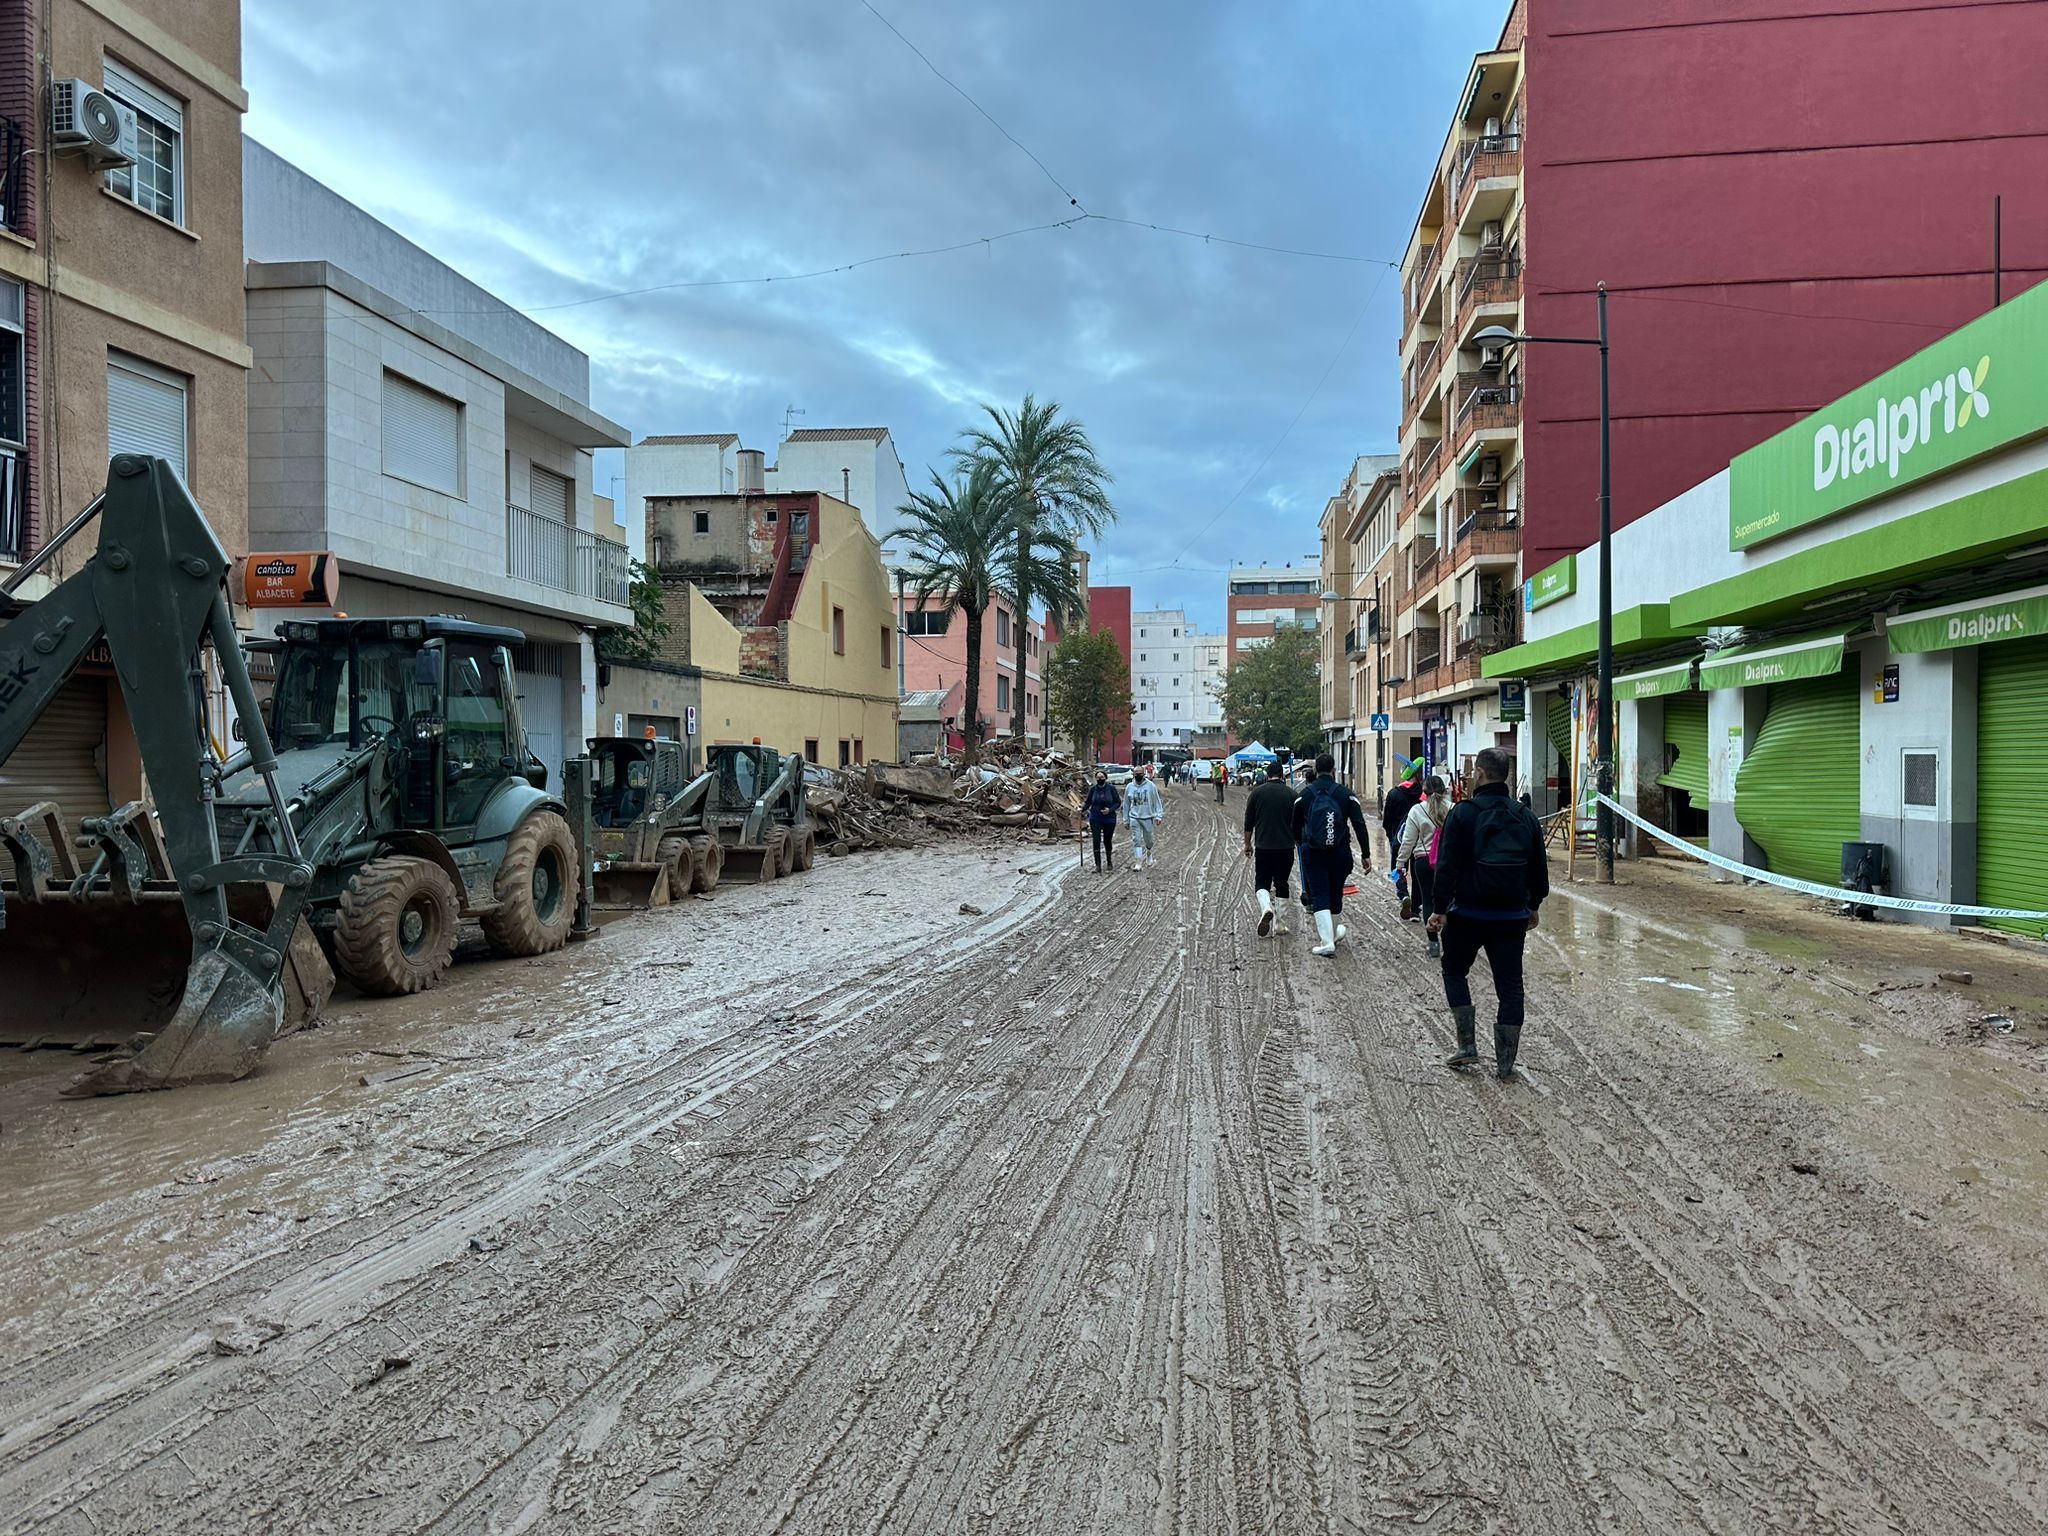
(903,805)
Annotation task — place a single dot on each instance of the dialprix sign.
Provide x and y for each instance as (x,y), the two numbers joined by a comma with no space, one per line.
(1553,582)
(2013,616)
(1760,666)
(1976,390)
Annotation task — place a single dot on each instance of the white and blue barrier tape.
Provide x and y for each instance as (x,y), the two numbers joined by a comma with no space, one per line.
(1807,887)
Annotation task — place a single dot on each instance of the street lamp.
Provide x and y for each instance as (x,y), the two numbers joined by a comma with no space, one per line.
(1498,336)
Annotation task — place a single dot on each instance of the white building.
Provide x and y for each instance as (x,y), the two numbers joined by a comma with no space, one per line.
(859,465)
(1212,661)
(1163,673)
(435,440)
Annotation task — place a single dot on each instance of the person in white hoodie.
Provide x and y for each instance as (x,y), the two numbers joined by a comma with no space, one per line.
(1416,852)
(1144,809)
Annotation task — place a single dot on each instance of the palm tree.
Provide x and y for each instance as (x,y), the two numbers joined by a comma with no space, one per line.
(959,538)
(1047,465)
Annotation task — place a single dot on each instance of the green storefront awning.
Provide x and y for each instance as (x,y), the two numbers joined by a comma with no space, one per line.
(1657,681)
(1641,628)
(1753,666)
(2009,616)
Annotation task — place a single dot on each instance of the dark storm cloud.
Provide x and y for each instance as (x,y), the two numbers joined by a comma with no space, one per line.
(556,153)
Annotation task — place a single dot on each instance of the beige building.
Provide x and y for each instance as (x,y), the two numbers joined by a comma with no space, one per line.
(126,333)
(782,630)
(1362,579)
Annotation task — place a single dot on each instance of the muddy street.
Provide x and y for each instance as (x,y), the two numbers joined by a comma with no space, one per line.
(966,1190)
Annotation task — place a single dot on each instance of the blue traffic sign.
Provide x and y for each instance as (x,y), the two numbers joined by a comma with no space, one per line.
(1382,723)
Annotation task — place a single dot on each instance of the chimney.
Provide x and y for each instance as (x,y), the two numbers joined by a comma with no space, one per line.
(752,474)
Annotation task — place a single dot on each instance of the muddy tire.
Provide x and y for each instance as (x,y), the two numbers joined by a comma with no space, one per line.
(535,888)
(395,932)
(773,853)
(806,849)
(789,852)
(710,863)
(676,852)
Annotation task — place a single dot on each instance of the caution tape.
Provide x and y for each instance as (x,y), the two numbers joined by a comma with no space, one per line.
(1808,887)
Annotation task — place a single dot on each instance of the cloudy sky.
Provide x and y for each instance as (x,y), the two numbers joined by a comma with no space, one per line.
(644,144)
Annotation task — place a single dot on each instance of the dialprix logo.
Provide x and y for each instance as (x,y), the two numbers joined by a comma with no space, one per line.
(1888,435)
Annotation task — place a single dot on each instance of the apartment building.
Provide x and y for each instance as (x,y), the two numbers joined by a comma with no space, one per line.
(1264,599)
(1360,724)
(120,313)
(855,465)
(935,660)
(433,438)
(1165,682)
(782,630)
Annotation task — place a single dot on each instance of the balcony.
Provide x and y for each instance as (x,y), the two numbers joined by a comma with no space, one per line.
(1484,531)
(1487,402)
(1489,629)
(1427,552)
(553,554)
(1421,472)
(1490,278)
(1498,154)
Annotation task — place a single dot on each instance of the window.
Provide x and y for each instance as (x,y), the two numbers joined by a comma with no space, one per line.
(551,495)
(846,754)
(811,750)
(860,754)
(155,183)
(145,410)
(1002,693)
(1176,655)
(13,381)
(771,517)
(927,621)
(1033,644)
(838,631)
(888,656)
(703,522)
(1002,626)
(1143,633)
(422,436)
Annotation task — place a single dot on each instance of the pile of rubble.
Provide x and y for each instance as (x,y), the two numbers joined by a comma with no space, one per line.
(903,805)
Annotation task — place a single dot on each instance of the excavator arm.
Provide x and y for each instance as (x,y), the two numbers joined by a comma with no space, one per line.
(155,593)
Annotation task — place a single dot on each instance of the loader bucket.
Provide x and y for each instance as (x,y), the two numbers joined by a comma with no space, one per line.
(621,887)
(753,862)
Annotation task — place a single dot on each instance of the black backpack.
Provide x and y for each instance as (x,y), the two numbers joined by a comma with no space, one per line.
(1324,823)
(1505,838)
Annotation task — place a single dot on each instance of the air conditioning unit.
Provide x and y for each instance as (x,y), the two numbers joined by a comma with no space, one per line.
(1491,234)
(1491,359)
(1489,470)
(1492,128)
(85,119)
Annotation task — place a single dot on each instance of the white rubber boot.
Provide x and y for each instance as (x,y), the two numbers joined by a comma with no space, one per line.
(1342,930)
(1326,930)
(1280,917)
(1265,913)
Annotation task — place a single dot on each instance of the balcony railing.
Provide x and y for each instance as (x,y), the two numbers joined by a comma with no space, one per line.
(1489,278)
(1488,630)
(1426,552)
(1487,400)
(1497,154)
(1485,531)
(552,554)
(13,503)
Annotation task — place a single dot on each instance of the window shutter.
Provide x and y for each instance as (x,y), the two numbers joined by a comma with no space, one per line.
(145,411)
(422,436)
(550,495)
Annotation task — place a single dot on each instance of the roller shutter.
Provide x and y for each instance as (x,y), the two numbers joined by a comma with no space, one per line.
(2012,738)
(145,411)
(60,757)
(1685,728)
(422,435)
(542,670)
(1558,714)
(1799,792)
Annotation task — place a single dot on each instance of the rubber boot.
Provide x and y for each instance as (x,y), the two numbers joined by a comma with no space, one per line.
(1326,931)
(1467,1021)
(1341,929)
(1280,917)
(1506,1042)
(1265,913)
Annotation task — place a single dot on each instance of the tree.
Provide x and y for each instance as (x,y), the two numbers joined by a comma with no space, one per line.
(1088,689)
(962,539)
(1048,467)
(650,620)
(1273,693)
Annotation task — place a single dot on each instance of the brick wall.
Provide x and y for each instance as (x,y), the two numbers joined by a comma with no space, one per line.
(761,651)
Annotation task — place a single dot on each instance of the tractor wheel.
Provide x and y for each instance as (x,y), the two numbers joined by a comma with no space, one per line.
(774,853)
(396,928)
(710,862)
(536,888)
(675,851)
(806,849)
(789,851)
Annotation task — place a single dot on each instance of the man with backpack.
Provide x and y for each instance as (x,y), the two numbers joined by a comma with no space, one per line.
(1325,816)
(1491,877)
(1269,844)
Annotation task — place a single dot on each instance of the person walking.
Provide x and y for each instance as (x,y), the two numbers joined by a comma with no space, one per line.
(1325,817)
(1269,844)
(1416,853)
(1491,879)
(1401,799)
(1222,777)
(1144,809)
(1102,805)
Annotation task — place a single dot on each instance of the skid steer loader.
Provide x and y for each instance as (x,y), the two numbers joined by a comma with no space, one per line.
(654,841)
(760,812)
(386,794)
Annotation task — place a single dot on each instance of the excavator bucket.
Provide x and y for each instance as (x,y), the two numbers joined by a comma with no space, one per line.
(623,887)
(223,1024)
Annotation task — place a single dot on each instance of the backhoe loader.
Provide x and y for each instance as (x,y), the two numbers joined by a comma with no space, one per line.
(386,795)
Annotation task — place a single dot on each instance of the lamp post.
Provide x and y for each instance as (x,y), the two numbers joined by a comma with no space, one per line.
(1498,335)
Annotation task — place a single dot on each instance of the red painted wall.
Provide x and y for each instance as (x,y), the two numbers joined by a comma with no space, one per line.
(1109,608)
(1784,198)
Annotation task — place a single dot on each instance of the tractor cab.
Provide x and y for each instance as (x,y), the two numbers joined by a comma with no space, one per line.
(438,693)
(631,776)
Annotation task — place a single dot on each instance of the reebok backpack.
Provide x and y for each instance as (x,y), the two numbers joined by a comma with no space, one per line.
(1325,819)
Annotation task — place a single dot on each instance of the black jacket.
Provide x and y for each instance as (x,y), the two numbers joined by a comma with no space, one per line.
(1401,799)
(1269,815)
(1491,818)
(1103,803)
(1322,785)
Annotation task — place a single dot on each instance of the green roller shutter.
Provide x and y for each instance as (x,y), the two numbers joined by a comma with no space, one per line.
(1685,727)
(1558,712)
(1799,791)
(2012,737)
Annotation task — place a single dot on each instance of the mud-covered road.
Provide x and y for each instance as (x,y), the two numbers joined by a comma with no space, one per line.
(843,1206)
